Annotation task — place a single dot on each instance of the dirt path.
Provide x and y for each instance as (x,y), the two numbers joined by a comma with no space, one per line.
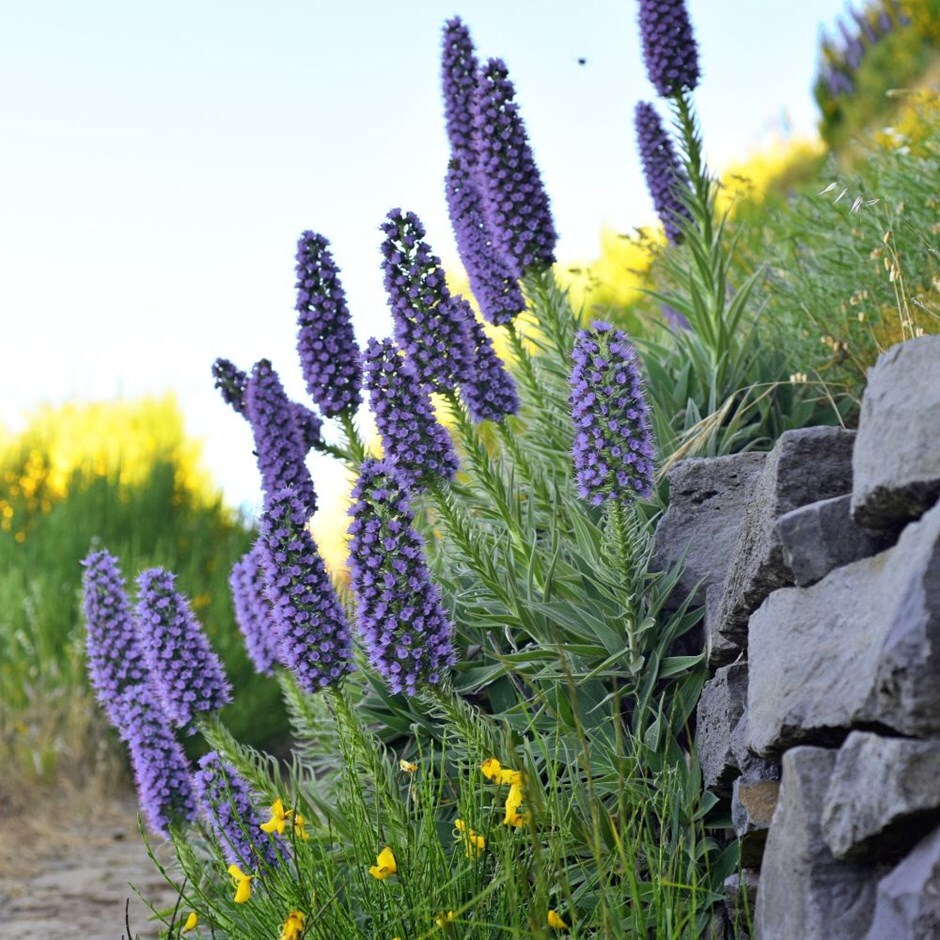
(66,875)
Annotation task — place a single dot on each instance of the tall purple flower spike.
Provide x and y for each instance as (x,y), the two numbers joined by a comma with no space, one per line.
(115,659)
(411,435)
(161,771)
(253,612)
(231,382)
(329,356)
(314,638)
(517,208)
(227,804)
(459,68)
(491,392)
(187,675)
(429,326)
(669,48)
(664,176)
(279,439)
(613,442)
(407,633)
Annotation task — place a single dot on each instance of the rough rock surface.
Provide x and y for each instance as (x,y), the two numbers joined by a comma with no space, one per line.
(822,536)
(719,709)
(907,906)
(804,891)
(897,454)
(805,466)
(706,505)
(882,796)
(752,809)
(861,648)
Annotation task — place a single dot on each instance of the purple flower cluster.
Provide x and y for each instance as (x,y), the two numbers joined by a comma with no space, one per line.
(516,204)
(253,610)
(231,382)
(329,356)
(310,424)
(280,443)
(429,326)
(161,771)
(664,176)
(230,811)
(115,659)
(669,48)
(496,290)
(459,69)
(407,633)
(613,443)
(314,639)
(187,675)
(490,393)
(404,416)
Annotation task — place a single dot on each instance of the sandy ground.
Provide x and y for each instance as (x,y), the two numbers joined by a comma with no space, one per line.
(67,874)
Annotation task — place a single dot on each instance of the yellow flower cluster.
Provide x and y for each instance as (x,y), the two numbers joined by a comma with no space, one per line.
(495,772)
(474,841)
(385,864)
(279,819)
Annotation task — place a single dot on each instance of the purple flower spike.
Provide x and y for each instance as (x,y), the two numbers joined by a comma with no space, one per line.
(228,807)
(231,382)
(279,438)
(115,659)
(187,674)
(253,612)
(496,290)
(669,48)
(459,69)
(613,443)
(491,393)
(518,213)
(329,356)
(310,424)
(428,325)
(315,642)
(404,416)
(161,771)
(664,176)
(407,633)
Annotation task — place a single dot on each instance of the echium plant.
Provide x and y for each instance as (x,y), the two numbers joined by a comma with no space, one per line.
(664,176)
(253,610)
(490,392)
(430,324)
(408,635)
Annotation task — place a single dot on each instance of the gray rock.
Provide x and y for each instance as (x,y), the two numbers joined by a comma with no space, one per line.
(804,467)
(752,809)
(719,648)
(720,707)
(822,536)
(706,503)
(897,452)
(740,899)
(753,767)
(804,891)
(882,797)
(859,649)
(907,906)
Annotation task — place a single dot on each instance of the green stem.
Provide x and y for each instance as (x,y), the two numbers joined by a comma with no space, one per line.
(479,732)
(355,449)
(243,758)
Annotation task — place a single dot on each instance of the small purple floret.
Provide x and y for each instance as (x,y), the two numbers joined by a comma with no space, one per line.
(428,328)
(187,675)
(518,213)
(669,47)
(613,442)
(279,437)
(404,416)
(329,356)
(314,639)
(228,807)
(253,610)
(664,176)
(491,392)
(406,631)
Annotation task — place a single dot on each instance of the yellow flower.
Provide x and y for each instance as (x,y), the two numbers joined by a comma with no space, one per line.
(407,767)
(278,820)
(385,864)
(513,801)
(293,926)
(242,884)
(555,921)
(493,770)
(475,842)
(443,919)
(191,922)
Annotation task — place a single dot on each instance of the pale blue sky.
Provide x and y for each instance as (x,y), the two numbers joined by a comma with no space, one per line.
(158,162)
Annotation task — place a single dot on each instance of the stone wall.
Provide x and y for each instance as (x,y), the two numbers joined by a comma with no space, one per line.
(818,566)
